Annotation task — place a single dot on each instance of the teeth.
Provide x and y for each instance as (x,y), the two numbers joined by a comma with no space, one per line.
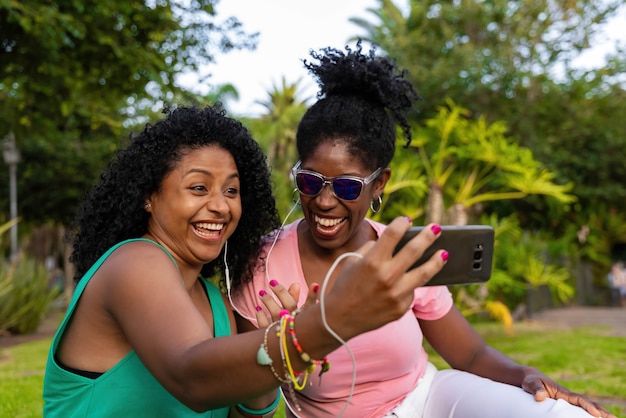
(328,222)
(210,226)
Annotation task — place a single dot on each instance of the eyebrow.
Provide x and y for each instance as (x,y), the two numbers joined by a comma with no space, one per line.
(208,173)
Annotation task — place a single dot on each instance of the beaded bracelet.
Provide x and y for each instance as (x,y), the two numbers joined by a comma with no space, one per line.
(292,374)
(259,412)
(325,365)
(263,354)
(283,355)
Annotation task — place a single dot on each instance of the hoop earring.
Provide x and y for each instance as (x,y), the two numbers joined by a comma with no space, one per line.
(293,196)
(375,208)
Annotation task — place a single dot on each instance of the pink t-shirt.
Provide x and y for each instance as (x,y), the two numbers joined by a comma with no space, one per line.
(389,360)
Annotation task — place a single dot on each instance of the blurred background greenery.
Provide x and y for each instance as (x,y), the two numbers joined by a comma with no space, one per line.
(509,133)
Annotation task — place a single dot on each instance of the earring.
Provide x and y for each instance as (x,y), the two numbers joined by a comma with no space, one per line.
(295,196)
(147,205)
(375,208)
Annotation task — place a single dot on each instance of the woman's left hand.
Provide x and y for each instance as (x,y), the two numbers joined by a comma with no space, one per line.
(542,387)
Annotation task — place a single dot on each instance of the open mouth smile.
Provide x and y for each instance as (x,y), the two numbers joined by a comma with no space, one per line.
(208,230)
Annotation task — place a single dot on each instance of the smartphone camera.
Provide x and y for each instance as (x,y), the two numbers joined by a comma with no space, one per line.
(478,257)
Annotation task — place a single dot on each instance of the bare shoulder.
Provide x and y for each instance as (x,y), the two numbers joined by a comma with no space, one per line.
(139,257)
(133,268)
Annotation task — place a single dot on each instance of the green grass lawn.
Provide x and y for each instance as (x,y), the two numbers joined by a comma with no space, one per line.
(585,360)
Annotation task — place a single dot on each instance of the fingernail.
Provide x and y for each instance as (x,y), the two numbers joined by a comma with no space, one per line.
(283,312)
(273,282)
(262,292)
(444,256)
(258,308)
(316,287)
(436,229)
(408,219)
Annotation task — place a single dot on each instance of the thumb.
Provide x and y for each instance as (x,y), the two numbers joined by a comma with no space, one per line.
(313,296)
(294,291)
(536,388)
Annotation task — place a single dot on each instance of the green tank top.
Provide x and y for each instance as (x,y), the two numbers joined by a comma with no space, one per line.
(127,389)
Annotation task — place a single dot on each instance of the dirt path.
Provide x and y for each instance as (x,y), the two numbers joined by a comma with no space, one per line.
(574,317)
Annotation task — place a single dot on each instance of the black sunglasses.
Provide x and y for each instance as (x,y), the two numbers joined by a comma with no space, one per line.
(311,183)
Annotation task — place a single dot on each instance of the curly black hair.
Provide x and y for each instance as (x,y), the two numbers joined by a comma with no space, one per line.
(360,97)
(113,210)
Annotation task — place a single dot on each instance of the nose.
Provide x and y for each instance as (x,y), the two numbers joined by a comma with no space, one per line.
(326,197)
(216,202)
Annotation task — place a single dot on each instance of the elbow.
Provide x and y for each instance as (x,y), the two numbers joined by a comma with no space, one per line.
(195,396)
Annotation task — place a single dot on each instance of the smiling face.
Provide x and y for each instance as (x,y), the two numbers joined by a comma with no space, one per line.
(197,206)
(336,224)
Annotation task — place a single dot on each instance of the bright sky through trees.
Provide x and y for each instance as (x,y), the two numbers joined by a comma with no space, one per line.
(289,29)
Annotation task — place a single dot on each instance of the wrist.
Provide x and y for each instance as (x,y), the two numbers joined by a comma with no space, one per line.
(247,412)
(312,334)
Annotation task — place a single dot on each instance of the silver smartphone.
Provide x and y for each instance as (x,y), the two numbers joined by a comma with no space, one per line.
(470,249)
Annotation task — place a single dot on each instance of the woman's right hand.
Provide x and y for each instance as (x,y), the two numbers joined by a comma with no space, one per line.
(376,288)
(288,300)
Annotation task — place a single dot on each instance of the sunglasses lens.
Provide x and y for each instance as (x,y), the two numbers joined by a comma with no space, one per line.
(347,189)
(309,184)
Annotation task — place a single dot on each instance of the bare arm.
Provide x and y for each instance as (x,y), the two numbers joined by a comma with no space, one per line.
(463,349)
(175,342)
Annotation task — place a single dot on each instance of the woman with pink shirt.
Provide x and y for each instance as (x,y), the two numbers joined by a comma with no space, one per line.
(345,142)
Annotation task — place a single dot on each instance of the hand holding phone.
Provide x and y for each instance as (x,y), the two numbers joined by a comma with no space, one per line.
(470,249)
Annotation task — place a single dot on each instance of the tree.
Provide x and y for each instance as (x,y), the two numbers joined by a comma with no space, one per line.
(276,132)
(72,73)
(483,54)
(512,61)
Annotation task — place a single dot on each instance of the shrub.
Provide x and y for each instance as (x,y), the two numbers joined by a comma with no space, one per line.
(25,297)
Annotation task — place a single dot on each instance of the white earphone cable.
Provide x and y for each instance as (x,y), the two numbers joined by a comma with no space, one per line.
(321,301)
(227,273)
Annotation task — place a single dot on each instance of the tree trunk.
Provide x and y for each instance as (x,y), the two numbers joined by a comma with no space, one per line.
(459,215)
(434,205)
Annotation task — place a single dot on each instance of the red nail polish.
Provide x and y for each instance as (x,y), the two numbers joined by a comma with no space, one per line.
(273,282)
(436,229)
(444,256)
(283,312)
(258,308)
(316,287)
(262,292)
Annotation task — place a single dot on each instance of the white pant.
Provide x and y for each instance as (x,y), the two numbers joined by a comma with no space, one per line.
(456,394)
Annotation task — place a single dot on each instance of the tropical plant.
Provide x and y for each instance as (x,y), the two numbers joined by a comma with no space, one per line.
(504,61)
(406,190)
(24,294)
(470,162)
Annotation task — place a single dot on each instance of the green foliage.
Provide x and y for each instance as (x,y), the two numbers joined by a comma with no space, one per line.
(25,298)
(74,75)
(504,61)
(406,191)
(521,261)
(466,162)
(275,131)
(591,240)
(484,54)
